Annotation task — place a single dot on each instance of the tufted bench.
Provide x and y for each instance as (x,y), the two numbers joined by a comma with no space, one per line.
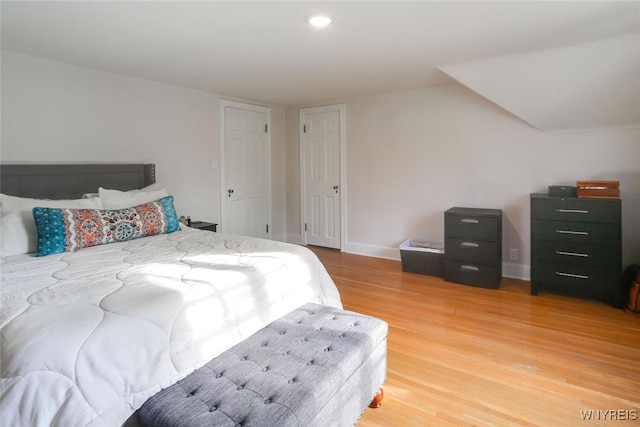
(316,366)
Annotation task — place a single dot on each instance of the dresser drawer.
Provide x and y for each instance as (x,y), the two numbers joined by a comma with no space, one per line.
(577,232)
(574,209)
(472,226)
(485,276)
(575,253)
(471,250)
(576,279)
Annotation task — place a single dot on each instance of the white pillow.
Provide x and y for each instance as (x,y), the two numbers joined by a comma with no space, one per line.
(17,225)
(116,199)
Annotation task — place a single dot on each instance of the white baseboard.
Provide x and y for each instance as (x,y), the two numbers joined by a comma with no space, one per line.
(510,270)
(516,271)
(280,237)
(295,238)
(373,251)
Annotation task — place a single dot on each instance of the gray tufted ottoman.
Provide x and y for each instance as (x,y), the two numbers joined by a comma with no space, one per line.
(316,366)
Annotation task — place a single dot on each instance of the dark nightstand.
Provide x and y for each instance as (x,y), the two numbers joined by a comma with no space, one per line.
(201,225)
(473,246)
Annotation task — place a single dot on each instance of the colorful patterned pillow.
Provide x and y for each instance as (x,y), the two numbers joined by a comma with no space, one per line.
(68,230)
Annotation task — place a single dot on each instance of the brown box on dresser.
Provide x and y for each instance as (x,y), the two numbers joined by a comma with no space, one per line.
(596,189)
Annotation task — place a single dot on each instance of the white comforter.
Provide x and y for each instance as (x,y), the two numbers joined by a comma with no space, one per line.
(88,336)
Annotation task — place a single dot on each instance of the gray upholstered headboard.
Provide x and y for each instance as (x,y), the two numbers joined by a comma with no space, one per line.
(71,181)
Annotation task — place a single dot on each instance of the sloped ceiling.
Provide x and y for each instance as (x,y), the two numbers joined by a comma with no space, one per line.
(556,64)
(592,85)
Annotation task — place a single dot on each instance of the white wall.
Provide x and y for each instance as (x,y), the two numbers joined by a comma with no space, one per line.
(412,155)
(592,85)
(56,112)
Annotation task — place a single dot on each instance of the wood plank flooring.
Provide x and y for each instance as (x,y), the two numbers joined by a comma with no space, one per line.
(459,355)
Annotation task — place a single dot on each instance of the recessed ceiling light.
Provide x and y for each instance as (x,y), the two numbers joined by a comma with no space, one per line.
(319,20)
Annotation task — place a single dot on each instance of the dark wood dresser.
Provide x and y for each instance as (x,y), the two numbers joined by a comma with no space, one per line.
(473,246)
(576,247)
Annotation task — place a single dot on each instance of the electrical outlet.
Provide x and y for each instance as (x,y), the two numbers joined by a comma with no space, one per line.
(513,254)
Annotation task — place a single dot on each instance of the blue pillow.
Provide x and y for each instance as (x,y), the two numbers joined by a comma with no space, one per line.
(68,230)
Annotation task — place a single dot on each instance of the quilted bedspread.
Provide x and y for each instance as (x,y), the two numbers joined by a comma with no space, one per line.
(88,336)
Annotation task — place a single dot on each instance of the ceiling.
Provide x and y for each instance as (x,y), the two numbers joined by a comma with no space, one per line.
(265,51)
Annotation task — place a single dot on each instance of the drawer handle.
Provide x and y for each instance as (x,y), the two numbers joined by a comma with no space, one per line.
(469,221)
(572,211)
(575,276)
(469,245)
(572,254)
(469,268)
(580,233)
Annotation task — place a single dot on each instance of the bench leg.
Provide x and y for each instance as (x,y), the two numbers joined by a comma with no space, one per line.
(377,399)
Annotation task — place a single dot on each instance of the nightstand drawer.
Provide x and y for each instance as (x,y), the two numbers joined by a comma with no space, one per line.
(475,251)
(485,276)
(472,226)
(575,253)
(574,209)
(578,232)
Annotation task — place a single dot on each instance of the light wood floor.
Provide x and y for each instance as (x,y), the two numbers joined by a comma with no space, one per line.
(459,355)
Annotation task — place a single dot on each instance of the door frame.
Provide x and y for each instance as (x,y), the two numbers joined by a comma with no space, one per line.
(341,108)
(224,103)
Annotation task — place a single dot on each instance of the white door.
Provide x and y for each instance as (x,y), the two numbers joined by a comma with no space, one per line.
(245,179)
(322,180)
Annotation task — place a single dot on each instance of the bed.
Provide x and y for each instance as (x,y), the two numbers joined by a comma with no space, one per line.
(88,335)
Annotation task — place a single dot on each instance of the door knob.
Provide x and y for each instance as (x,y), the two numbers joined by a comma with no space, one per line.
(230,191)
(335,187)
